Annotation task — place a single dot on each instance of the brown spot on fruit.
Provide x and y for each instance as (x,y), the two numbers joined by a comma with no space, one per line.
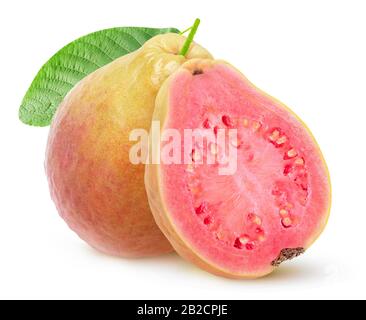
(245,123)
(287,254)
(196,72)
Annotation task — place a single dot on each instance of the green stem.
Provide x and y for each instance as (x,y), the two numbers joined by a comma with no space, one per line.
(190,37)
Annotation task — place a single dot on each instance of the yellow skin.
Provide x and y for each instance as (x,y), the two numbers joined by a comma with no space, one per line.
(96,189)
(157,198)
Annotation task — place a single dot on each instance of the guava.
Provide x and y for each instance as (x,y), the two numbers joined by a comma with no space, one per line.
(97,190)
(274,205)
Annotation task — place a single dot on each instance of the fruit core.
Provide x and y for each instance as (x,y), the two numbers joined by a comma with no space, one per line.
(225,204)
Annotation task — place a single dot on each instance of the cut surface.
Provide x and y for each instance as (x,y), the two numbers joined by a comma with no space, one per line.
(277,199)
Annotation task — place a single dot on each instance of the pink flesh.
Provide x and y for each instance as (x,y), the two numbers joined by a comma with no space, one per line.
(234,222)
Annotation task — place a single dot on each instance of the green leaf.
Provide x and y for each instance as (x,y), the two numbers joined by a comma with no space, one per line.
(75,61)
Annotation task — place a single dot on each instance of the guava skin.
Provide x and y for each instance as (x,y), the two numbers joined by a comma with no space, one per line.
(96,189)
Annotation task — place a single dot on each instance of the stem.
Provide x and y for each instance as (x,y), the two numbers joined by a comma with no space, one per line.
(190,37)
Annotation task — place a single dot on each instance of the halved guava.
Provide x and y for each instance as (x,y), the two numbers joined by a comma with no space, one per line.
(271,209)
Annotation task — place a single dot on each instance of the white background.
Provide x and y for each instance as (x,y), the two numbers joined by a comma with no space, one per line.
(309,54)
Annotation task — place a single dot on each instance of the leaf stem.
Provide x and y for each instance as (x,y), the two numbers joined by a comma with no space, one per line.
(190,37)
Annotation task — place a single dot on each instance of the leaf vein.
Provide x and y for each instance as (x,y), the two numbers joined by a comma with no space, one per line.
(118,44)
(98,48)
